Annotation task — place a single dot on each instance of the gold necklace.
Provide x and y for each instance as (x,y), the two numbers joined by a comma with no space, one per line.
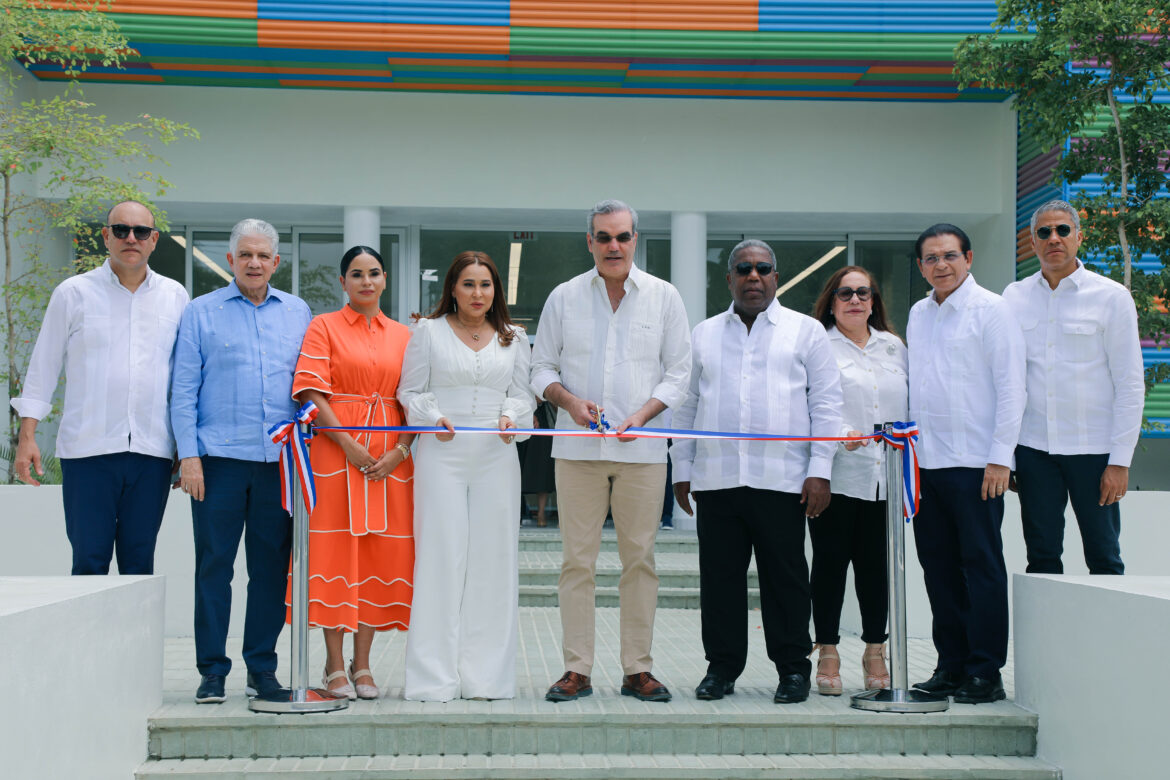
(467,330)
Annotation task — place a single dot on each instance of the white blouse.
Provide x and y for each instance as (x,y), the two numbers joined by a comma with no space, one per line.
(443,377)
(874,382)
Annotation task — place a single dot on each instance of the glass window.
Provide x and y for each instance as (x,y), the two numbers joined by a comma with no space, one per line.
(657,255)
(531,264)
(169,257)
(391,246)
(210,269)
(804,266)
(891,262)
(319,256)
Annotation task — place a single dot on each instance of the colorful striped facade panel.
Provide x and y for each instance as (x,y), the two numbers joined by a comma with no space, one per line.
(876,16)
(636,15)
(213,9)
(432,38)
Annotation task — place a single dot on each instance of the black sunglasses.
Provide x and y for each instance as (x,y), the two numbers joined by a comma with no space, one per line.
(141,232)
(847,293)
(1062,230)
(745,268)
(605,238)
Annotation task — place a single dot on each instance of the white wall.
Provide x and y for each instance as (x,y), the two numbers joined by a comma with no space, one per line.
(34,532)
(1089,655)
(90,641)
(804,164)
(1145,538)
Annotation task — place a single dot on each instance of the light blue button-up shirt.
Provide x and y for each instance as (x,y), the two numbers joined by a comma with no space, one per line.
(233,373)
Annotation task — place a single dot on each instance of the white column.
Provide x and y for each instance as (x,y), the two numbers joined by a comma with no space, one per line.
(688,261)
(362,225)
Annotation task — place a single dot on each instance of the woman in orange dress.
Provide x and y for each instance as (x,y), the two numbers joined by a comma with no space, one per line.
(361,545)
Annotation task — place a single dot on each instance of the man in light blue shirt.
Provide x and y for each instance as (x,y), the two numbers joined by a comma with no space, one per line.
(234,362)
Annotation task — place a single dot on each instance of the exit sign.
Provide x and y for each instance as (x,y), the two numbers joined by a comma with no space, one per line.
(523,235)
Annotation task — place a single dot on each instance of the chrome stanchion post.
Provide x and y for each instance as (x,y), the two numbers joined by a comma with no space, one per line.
(899,697)
(299,697)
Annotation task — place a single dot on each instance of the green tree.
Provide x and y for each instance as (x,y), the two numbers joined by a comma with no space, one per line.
(1090,71)
(62,164)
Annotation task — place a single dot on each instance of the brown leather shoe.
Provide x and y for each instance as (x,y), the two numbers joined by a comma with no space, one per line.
(571,686)
(643,686)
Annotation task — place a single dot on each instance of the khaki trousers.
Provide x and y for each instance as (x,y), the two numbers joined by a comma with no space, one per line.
(586,491)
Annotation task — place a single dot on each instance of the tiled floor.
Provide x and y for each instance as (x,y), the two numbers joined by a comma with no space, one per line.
(679,663)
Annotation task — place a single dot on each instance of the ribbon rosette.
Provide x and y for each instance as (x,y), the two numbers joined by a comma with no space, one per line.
(902,436)
(294,457)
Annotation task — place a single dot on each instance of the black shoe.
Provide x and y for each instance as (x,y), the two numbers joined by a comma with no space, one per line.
(210,689)
(793,688)
(980,690)
(714,687)
(942,683)
(262,684)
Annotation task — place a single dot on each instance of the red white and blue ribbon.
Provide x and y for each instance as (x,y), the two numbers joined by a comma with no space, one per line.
(294,457)
(902,436)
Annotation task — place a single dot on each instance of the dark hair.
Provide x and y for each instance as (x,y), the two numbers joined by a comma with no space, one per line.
(823,309)
(497,314)
(354,251)
(942,229)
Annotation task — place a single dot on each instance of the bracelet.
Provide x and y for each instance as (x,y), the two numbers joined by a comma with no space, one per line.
(403,449)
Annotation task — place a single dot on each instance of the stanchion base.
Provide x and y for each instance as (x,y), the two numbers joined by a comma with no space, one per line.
(888,700)
(312,700)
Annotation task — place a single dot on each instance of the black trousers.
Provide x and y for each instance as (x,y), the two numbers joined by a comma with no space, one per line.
(957,534)
(731,524)
(851,530)
(1047,483)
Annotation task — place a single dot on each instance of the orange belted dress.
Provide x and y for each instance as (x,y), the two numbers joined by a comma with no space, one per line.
(361,541)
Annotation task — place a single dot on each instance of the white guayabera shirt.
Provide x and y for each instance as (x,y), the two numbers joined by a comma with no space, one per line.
(619,359)
(966,379)
(1085,378)
(117,348)
(778,378)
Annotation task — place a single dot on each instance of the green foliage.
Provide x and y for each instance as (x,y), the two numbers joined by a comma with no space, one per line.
(62,164)
(1089,70)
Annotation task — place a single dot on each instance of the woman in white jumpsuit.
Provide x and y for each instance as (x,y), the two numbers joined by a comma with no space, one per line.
(466,365)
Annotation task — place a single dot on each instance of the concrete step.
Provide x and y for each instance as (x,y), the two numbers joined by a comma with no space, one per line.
(607,596)
(549,539)
(607,724)
(595,766)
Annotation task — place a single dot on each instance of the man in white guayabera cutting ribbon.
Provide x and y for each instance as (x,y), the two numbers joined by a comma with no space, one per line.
(757,368)
(612,344)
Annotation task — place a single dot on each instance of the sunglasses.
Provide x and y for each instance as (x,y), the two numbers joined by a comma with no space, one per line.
(745,268)
(846,293)
(141,232)
(605,238)
(1062,230)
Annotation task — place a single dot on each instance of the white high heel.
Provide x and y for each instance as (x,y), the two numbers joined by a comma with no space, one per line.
(346,690)
(363,691)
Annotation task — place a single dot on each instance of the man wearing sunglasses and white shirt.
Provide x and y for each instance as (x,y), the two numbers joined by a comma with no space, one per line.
(1085,394)
(113,329)
(757,368)
(613,342)
(967,396)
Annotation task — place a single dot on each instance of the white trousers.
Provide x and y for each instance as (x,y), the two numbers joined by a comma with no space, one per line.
(464,621)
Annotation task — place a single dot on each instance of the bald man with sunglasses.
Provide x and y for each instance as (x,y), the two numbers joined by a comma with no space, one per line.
(1085,387)
(113,331)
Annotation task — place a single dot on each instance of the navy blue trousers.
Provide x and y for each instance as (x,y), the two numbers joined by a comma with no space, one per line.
(731,524)
(241,497)
(114,502)
(957,534)
(1046,484)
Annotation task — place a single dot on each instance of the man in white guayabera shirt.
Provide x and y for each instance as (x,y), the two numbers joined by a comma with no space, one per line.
(757,368)
(1085,393)
(967,396)
(613,342)
(113,329)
